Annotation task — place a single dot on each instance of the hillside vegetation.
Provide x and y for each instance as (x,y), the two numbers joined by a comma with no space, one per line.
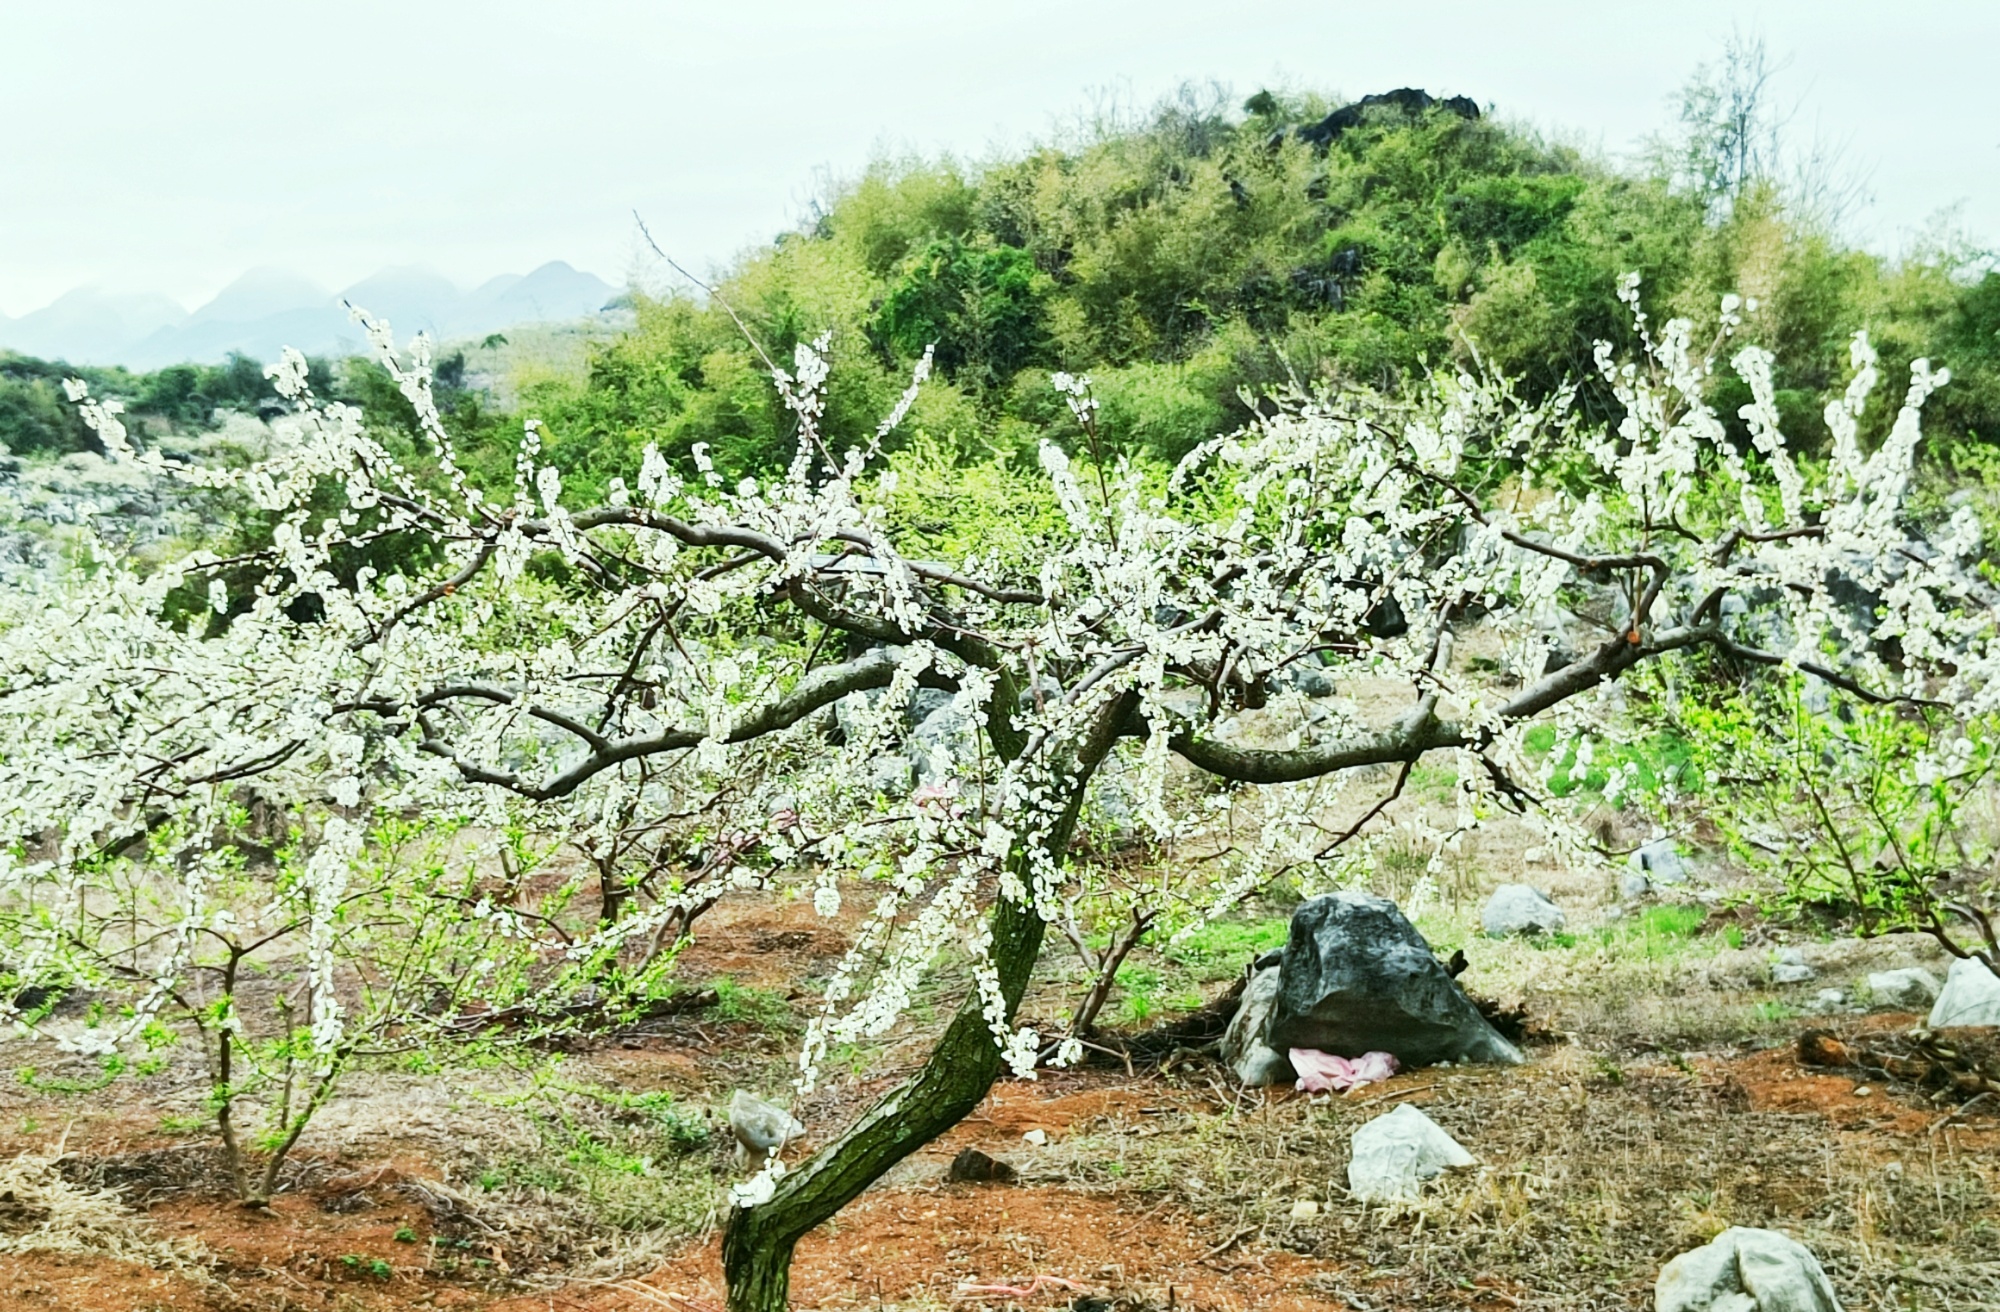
(1189,262)
(1204,256)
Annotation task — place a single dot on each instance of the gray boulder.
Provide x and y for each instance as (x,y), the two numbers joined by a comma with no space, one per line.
(1659,862)
(890,776)
(1912,989)
(1633,884)
(1520,909)
(760,1128)
(1789,967)
(1050,691)
(923,702)
(941,740)
(1357,977)
(1393,1155)
(1745,1270)
(1971,996)
(1113,811)
(1310,680)
(850,711)
(1255,1062)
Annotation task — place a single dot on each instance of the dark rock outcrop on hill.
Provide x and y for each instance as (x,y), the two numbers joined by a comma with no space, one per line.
(1410,100)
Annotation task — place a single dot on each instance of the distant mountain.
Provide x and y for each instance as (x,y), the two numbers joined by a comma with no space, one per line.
(551,293)
(260,294)
(266,310)
(89,326)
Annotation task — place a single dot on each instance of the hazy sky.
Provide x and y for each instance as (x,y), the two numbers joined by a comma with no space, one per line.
(169,147)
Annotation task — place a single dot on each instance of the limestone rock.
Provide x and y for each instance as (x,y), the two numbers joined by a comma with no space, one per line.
(1409,101)
(1745,1270)
(1393,1155)
(761,1128)
(1045,688)
(924,702)
(1520,909)
(939,743)
(1309,680)
(1911,989)
(1789,967)
(1971,996)
(1255,1062)
(852,711)
(1659,862)
(890,776)
(1357,977)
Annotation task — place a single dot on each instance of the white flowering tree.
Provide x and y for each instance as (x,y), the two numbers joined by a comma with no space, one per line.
(554,671)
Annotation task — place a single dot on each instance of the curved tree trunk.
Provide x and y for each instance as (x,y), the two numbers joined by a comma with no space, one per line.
(757,1242)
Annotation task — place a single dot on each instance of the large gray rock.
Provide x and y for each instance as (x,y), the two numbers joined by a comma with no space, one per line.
(1393,1155)
(1971,996)
(1311,680)
(1520,909)
(924,702)
(851,711)
(890,776)
(1255,1062)
(1745,1270)
(1911,989)
(1044,689)
(941,743)
(1357,977)
(1659,862)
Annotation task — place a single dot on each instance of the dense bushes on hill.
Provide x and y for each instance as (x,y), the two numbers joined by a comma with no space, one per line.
(1189,261)
(1205,254)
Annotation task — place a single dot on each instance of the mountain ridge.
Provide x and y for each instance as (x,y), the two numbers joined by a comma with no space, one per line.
(266,309)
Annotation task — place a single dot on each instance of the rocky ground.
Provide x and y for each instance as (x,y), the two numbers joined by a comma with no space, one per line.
(1663,1100)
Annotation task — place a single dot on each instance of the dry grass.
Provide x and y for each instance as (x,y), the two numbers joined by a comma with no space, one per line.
(1591,1178)
(43,1211)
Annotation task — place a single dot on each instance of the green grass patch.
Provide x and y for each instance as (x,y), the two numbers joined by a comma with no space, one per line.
(1218,950)
(737,1001)
(1660,759)
(1656,932)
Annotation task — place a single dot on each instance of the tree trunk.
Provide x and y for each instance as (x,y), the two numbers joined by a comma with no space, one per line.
(757,1242)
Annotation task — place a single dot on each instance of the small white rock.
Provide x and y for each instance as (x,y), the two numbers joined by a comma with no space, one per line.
(1745,1270)
(1789,967)
(1395,1154)
(1520,909)
(1910,990)
(761,1128)
(1305,1209)
(1037,1137)
(1971,996)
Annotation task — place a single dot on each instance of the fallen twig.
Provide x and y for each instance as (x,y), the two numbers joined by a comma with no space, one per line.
(1029,1290)
(1229,1243)
(1394,1094)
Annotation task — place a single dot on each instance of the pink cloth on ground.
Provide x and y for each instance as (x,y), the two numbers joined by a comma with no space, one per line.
(1322,1071)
